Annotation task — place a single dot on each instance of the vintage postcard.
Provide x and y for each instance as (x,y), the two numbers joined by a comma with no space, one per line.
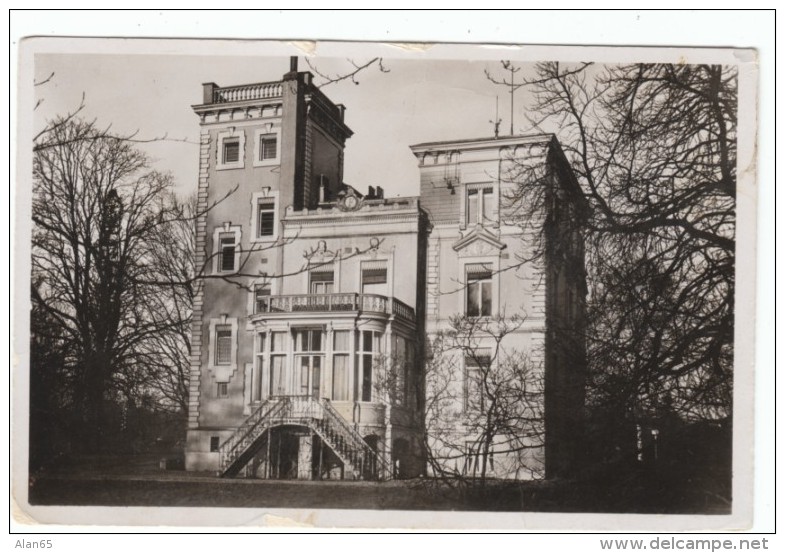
(384,285)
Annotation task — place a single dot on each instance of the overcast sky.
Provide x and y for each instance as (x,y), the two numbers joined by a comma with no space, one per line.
(415,101)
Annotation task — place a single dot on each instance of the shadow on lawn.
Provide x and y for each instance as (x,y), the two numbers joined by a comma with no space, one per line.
(141,480)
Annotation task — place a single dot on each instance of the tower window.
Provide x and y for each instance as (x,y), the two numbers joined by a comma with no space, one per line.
(223,345)
(227,252)
(266,217)
(268,147)
(231,150)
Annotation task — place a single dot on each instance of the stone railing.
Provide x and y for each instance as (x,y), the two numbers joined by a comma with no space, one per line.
(256,91)
(367,303)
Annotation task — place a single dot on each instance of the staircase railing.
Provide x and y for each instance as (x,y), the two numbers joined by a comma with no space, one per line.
(237,443)
(357,442)
(321,417)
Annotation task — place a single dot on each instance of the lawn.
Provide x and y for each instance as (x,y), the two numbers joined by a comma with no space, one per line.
(139,481)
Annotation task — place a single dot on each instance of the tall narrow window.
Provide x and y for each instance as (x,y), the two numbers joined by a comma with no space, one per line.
(341,351)
(268,147)
(223,345)
(322,280)
(477,364)
(487,205)
(374,277)
(266,217)
(261,350)
(479,290)
(261,298)
(472,206)
(278,364)
(228,250)
(369,346)
(231,150)
(308,348)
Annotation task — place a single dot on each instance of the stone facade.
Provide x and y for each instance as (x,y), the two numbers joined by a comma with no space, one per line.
(470,191)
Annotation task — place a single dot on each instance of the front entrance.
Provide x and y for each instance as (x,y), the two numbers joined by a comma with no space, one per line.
(296,453)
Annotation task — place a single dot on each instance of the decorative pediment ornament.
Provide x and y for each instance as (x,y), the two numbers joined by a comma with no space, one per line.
(320,254)
(350,201)
(478,242)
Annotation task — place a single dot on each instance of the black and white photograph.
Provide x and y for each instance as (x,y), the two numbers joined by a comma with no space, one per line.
(386,280)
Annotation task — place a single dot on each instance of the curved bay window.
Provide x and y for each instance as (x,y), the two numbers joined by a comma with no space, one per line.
(309,358)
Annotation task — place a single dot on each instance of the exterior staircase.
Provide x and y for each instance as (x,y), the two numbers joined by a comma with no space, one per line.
(359,460)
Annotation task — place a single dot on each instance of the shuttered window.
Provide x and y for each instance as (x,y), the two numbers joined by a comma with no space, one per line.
(231,150)
(374,277)
(223,345)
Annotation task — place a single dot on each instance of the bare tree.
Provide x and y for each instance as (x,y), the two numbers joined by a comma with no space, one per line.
(484,403)
(172,262)
(96,207)
(654,150)
(349,74)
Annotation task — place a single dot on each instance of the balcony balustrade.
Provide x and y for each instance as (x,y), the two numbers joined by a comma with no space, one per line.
(336,302)
(255,91)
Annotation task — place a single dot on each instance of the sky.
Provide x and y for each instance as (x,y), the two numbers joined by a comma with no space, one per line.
(412,102)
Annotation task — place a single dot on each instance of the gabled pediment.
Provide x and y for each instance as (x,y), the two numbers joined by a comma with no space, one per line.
(479,241)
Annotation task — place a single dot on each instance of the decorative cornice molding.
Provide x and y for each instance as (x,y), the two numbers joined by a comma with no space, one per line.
(478,242)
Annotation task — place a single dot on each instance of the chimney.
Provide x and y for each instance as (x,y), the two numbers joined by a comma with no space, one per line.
(324,182)
(293,63)
(379,193)
(370,195)
(208,91)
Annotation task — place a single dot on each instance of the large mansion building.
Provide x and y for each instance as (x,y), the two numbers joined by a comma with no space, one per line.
(313,325)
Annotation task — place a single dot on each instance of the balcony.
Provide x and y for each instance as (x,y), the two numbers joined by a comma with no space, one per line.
(336,302)
(255,91)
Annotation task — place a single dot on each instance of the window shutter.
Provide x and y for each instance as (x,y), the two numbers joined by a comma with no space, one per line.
(374,272)
(231,150)
(323,274)
(269,147)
